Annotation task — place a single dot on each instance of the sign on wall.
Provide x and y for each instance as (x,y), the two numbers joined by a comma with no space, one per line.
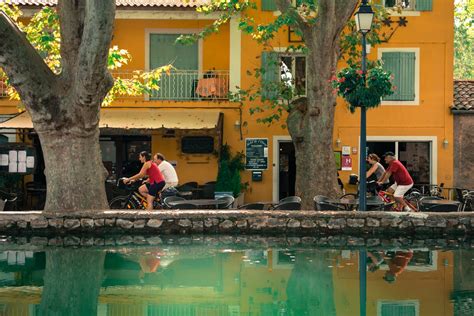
(256,153)
(17,158)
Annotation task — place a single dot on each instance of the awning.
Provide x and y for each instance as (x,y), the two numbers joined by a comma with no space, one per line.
(140,119)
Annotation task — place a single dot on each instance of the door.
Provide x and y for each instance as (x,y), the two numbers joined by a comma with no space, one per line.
(287,169)
(181,82)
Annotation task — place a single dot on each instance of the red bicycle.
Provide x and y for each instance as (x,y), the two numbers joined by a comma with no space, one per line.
(411,200)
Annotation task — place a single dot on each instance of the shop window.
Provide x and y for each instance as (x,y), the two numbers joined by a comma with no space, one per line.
(197,145)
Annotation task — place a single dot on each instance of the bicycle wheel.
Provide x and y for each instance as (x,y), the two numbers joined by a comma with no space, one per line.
(119,203)
(412,202)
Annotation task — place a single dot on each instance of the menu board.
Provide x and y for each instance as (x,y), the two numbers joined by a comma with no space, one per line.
(256,153)
(17,158)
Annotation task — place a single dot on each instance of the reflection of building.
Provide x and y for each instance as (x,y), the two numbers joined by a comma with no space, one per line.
(210,283)
(423,288)
(463,293)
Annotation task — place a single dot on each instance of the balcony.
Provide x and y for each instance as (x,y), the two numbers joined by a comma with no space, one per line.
(187,85)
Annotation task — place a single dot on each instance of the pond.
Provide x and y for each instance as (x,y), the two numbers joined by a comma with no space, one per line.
(197,276)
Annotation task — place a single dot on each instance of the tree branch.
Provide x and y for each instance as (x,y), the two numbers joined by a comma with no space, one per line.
(25,68)
(93,76)
(71,19)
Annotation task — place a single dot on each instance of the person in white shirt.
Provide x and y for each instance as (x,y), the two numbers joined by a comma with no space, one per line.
(167,170)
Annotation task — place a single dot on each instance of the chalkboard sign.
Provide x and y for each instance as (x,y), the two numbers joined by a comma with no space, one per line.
(256,153)
(197,145)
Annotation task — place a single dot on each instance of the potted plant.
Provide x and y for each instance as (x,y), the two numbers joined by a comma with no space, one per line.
(228,176)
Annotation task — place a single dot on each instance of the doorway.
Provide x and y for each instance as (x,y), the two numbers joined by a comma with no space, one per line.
(286,169)
(416,156)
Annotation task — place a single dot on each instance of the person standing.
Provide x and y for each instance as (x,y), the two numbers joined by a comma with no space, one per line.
(155,182)
(403,180)
(167,170)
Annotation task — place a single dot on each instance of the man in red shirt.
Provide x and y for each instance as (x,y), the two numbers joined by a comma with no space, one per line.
(403,180)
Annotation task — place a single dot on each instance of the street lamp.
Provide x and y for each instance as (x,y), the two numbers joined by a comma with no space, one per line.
(363,18)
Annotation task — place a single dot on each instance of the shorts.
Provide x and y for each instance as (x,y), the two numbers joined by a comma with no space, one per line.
(400,190)
(154,188)
(170,185)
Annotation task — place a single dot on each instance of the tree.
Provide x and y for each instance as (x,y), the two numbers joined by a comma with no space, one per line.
(328,35)
(464,39)
(58,66)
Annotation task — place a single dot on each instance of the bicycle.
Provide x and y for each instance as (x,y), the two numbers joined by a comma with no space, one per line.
(411,200)
(135,201)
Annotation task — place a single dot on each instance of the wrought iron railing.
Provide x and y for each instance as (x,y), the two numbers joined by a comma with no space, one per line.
(181,85)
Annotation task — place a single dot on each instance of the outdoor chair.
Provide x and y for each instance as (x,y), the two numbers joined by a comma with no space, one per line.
(252,206)
(288,206)
(225,202)
(185,206)
(171,199)
(290,199)
(439,208)
(326,206)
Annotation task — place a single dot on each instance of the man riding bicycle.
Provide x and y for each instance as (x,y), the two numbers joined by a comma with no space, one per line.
(403,180)
(167,170)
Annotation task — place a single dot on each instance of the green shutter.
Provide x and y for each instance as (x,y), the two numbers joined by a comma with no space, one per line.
(269,5)
(391,62)
(270,72)
(424,5)
(402,67)
(407,76)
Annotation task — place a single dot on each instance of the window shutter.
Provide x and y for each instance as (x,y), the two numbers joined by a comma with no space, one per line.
(269,5)
(391,63)
(407,76)
(270,72)
(424,5)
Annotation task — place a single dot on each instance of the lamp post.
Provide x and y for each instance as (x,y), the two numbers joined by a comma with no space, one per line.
(363,18)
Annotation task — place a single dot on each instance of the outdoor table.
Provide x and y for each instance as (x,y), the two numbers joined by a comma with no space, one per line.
(440,202)
(197,202)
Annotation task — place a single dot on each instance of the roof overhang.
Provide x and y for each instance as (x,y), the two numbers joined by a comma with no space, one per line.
(139,119)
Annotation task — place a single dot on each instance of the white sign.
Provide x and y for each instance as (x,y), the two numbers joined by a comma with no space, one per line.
(346,150)
(12,167)
(22,155)
(30,162)
(13,156)
(4,160)
(21,166)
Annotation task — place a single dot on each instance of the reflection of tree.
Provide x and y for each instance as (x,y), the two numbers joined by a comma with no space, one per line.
(72,282)
(310,288)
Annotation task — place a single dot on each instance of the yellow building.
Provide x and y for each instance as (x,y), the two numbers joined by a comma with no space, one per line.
(190,116)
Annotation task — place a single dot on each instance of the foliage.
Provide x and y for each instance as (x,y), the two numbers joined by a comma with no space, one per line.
(228,176)
(43,33)
(464,39)
(358,91)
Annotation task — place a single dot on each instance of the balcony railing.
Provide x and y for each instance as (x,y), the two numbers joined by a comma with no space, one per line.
(182,85)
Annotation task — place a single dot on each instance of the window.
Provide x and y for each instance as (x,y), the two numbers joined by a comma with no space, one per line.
(404,66)
(279,69)
(296,66)
(415,5)
(197,145)
(395,308)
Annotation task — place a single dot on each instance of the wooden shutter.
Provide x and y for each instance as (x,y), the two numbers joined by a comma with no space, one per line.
(402,67)
(269,5)
(424,5)
(270,72)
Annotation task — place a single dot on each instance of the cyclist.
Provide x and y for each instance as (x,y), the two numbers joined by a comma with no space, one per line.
(155,182)
(376,170)
(167,170)
(403,180)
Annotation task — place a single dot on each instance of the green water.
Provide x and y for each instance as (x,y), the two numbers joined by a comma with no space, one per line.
(234,280)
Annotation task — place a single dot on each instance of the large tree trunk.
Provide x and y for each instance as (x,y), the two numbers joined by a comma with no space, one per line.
(72,282)
(311,120)
(65,107)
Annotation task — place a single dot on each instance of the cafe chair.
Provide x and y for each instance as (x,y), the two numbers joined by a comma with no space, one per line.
(290,199)
(326,206)
(225,202)
(252,206)
(185,206)
(169,199)
(288,206)
(439,208)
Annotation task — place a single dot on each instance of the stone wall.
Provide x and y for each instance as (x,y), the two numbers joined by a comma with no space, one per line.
(288,223)
(464,150)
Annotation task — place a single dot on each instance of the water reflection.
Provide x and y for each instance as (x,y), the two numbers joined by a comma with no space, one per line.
(198,280)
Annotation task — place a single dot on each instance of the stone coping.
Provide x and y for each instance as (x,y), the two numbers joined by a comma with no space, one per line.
(236,222)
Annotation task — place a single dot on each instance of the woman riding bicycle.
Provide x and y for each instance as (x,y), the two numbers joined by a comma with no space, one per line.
(376,170)
(155,182)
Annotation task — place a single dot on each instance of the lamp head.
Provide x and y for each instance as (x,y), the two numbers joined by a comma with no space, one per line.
(364,18)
